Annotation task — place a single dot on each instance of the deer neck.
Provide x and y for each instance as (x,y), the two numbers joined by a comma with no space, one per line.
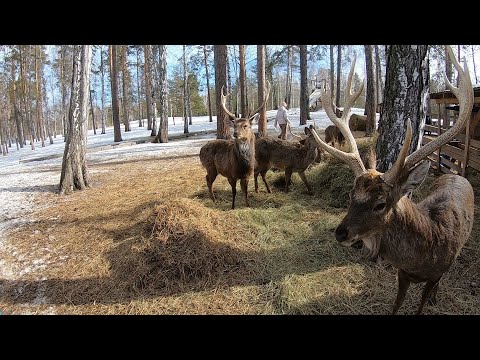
(409,234)
(246,151)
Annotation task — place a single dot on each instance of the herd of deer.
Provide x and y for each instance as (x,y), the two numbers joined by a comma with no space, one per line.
(422,240)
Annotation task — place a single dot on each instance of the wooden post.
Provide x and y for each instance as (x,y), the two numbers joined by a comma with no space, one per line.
(467,146)
(439,131)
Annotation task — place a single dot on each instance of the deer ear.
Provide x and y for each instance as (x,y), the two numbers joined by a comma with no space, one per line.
(414,177)
(307,130)
(253,119)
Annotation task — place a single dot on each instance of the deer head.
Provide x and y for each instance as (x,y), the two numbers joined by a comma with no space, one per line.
(242,126)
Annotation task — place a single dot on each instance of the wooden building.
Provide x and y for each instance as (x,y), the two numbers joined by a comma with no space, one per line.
(464,150)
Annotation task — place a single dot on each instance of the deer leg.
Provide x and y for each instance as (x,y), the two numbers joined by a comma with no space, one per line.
(263,173)
(233,184)
(211,176)
(288,175)
(427,290)
(403,284)
(255,178)
(304,178)
(244,185)
(432,300)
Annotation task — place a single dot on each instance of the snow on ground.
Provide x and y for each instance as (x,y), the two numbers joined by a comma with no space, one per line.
(25,173)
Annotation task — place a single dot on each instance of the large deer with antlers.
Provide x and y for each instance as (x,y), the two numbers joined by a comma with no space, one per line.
(422,240)
(234,159)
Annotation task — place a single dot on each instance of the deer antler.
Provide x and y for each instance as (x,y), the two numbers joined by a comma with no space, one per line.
(223,99)
(464,94)
(264,101)
(353,157)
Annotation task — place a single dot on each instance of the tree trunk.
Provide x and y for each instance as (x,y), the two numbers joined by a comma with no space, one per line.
(153,89)
(229,82)
(38,93)
(304,108)
(262,120)
(208,84)
(378,76)
(220,61)
(75,175)
(332,74)
(185,93)
(339,74)
(27,118)
(474,67)
(189,102)
(243,78)
(48,119)
(126,120)
(94,124)
(370,101)
(114,86)
(288,86)
(406,97)
(235,69)
(140,122)
(15,112)
(162,135)
(149,99)
(63,51)
(102,70)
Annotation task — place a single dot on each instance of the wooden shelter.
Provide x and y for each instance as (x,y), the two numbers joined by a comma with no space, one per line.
(463,151)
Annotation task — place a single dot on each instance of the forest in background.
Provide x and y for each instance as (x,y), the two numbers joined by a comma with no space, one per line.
(35,82)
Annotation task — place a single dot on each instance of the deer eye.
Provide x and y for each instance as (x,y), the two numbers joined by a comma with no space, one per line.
(379,206)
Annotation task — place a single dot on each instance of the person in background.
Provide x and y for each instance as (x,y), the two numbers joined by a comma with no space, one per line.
(282,120)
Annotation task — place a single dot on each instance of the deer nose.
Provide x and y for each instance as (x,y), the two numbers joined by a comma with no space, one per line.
(235,135)
(341,233)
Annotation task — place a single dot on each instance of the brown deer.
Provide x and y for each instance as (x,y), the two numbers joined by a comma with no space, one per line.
(422,240)
(234,159)
(334,135)
(283,154)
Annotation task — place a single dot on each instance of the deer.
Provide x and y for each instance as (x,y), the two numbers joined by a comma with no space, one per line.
(334,135)
(422,240)
(283,154)
(234,158)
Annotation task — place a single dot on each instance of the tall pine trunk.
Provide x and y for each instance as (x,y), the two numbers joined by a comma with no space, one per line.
(474,67)
(125,102)
(339,74)
(185,93)
(75,175)
(288,85)
(332,73)
(15,111)
(370,101)
(304,108)
(378,76)
(262,120)
(148,96)
(220,61)
(102,71)
(38,93)
(405,97)
(117,135)
(162,135)
(208,84)
(139,102)
(243,79)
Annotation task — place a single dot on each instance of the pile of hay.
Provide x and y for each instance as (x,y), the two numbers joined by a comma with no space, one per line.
(193,248)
